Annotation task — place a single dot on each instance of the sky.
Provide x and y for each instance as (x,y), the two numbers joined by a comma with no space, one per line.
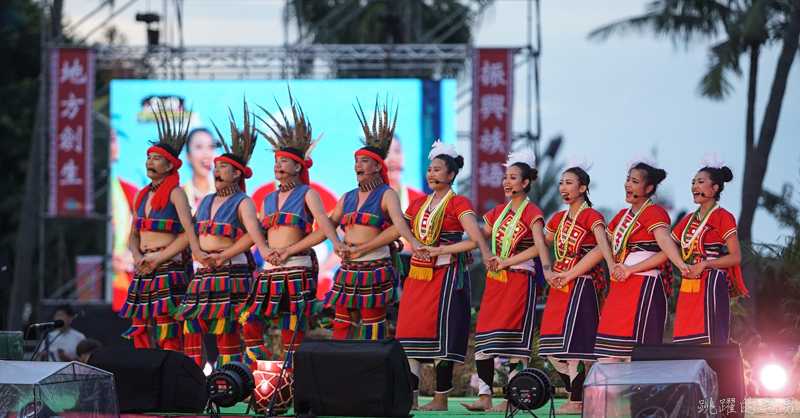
(609,100)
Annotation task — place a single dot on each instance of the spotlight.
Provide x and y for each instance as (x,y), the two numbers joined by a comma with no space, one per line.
(230,384)
(530,389)
(773,377)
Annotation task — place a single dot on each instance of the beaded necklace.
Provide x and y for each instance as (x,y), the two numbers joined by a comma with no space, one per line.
(620,245)
(289,186)
(687,246)
(370,186)
(560,239)
(230,190)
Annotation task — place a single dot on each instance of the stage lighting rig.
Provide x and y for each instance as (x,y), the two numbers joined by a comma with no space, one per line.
(230,384)
(529,390)
(150,19)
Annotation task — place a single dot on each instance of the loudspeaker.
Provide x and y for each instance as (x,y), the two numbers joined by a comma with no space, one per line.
(360,378)
(149,380)
(724,359)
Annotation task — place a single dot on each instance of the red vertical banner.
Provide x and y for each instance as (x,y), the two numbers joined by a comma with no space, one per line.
(71,136)
(492,88)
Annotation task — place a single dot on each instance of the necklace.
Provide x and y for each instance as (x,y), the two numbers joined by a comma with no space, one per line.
(371,185)
(154,187)
(560,254)
(229,191)
(289,186)
(686,246)
(621,235)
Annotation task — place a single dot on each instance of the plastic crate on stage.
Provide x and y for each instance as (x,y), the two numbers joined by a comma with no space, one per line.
(44,390)
(677,388)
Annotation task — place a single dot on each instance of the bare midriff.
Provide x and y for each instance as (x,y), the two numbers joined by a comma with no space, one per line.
(213,242)
(360,234)
(152,239)
(283,236)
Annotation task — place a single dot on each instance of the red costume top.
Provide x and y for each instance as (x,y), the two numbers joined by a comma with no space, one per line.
(701,243)
(634,232)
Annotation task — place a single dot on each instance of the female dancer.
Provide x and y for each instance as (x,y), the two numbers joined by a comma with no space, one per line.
(704,313)
(222,283)
(569,322)
(506,320)
(365,284)
(159,239)
(287,216)
(635,310)
(434,319)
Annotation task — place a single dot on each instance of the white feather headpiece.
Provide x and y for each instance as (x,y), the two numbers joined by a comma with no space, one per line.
(580,162)
(711,160)
(643,157)
(438,148)
(524,155)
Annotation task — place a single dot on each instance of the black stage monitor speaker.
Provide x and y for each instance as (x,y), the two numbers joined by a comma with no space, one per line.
(352,378)
(150,380)
(724,359)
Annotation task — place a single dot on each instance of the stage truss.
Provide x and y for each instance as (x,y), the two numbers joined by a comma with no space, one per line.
(287,62)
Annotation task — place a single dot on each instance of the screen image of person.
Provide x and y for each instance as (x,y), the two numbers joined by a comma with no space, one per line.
(395,162)
(200,154)
(122,193)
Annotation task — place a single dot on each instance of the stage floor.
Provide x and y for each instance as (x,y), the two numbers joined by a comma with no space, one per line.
(456,410)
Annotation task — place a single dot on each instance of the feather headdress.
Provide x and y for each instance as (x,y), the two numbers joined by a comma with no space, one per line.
(643,157)
(524,155)
(438,148)
(291,140)
(172,132)
(580,162)
(378,138)
(241,147)
(711,160)
(382,131)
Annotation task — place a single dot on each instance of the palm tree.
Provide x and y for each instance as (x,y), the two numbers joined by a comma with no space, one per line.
(744,27)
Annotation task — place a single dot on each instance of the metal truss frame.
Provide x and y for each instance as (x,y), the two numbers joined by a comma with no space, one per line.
(286,62)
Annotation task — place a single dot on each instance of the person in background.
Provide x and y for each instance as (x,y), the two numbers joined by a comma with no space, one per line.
(61,343)
(395,161)
(85,349)
(200,153)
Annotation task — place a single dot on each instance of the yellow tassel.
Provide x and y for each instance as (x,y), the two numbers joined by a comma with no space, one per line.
(243,317)
(219,327)
(500,276)
(690,285)
(420,273)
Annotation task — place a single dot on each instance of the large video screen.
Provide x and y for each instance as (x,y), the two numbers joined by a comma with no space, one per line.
(426,112)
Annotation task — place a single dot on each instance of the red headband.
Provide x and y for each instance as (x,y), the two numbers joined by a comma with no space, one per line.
(376,157)
(246,171)
(173,180)
(305,163)
(176,162)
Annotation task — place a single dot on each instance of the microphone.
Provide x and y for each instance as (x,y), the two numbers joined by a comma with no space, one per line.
(516,191)
(568,198)
(286,172)
(442,182)
(55,324)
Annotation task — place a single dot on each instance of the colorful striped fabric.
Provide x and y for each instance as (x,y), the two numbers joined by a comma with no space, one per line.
(158,225)
(364,284)
(364,219)
(286,219)
(219,229)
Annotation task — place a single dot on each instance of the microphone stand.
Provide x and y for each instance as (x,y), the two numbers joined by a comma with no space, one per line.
(269,413)
(46,332)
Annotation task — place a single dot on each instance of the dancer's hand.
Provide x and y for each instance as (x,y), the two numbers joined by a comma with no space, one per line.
(213,260)
(344,252)
(354,253)
(422,253)
(556,280)
(279,256)
(148,263)
(695,270)
(621,272)
(495,264)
